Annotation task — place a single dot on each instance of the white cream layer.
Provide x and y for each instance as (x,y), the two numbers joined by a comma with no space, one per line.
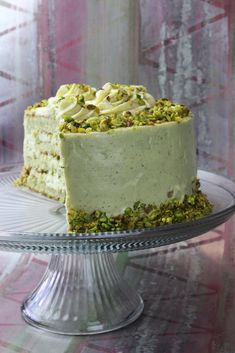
(42,156)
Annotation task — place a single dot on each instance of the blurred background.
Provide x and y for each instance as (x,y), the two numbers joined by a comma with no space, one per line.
(179,49)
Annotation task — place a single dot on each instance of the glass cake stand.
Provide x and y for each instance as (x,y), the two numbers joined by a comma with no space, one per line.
(82,291)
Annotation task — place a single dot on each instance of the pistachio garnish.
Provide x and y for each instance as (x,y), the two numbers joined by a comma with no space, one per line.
(162,112)
(91,107)
(43,103)
(141,215)
(85,110)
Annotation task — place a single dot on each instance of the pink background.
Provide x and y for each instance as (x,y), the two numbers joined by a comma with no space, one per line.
(179,49)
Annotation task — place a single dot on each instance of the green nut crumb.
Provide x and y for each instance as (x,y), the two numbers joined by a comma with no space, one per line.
(68,118)
(163,111)
(142,216)
(42,103)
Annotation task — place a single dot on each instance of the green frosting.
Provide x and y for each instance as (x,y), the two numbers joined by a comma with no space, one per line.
(110,171)
(142,216)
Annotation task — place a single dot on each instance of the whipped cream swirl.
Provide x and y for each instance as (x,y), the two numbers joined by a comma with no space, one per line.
(117,98)
(80,101)
(70,100)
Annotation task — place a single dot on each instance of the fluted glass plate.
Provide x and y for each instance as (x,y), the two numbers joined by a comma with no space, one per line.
(33,223)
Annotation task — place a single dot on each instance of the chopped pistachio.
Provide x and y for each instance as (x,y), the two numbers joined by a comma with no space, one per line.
(22,180)
(68,118)
(80,130)
(164,111)
(104,124)
(81,99)
(43,103)
(141,215)
(91,107)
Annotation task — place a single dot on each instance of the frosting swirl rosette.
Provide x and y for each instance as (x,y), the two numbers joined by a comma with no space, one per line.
(71,101)
(76,108)
(117,98)
(76,89)
(79,102)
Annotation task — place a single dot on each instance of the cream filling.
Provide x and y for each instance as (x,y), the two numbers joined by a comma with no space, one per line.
(48,184)
(41,148)
(42,143)
(41,135)
(47,163)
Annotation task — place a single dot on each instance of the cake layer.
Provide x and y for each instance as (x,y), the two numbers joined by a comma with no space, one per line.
(46,183)
(45,161)
(43,167)
(110,171)
(41,134)
(33,147)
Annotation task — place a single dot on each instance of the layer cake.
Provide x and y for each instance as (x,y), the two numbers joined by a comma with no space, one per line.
(117,157)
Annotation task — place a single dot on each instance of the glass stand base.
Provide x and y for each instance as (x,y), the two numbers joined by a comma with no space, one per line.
(82,295)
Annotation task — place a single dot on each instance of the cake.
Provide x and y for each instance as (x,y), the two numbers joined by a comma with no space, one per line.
(43,165)
(117,158)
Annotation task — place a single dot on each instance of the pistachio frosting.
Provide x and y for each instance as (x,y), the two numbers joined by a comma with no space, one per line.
(111,170)
(142,215)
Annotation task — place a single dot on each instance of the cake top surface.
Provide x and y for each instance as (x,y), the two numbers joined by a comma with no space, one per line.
(81,108)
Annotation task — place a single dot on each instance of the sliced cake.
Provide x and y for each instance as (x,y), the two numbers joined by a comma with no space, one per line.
(118,158)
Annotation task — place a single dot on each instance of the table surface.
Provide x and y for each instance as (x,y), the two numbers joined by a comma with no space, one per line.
(188,289)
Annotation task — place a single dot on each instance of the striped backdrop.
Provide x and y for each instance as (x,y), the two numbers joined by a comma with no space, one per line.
(179,49)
